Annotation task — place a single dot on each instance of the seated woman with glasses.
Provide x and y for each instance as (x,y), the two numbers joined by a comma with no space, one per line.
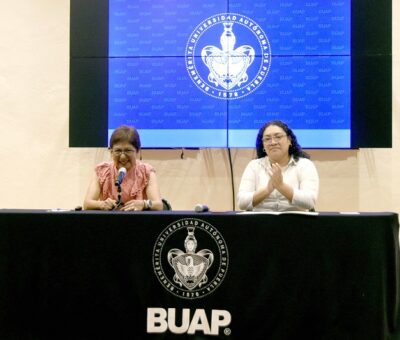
(138,190)
(282,177)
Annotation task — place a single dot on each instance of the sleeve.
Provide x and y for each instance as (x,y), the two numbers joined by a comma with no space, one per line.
(305,196)
(103,171)
(247,188)
(147,170)
(140,180)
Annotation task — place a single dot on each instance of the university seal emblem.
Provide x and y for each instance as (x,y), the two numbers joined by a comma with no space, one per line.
(190,272)
(190,267)
(228,56)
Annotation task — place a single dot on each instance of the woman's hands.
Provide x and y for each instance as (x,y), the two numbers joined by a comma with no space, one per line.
(277,182)
(276,179)
(108,204)
(133,205)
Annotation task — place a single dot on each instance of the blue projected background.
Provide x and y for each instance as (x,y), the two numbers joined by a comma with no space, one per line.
(211,74)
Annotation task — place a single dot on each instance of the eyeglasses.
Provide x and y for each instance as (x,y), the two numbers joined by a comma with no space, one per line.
(119,152)
(275,138)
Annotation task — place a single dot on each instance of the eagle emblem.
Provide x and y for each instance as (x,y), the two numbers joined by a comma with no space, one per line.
(228,66)
(190,267)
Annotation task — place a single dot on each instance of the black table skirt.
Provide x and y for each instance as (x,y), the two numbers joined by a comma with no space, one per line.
(96,275)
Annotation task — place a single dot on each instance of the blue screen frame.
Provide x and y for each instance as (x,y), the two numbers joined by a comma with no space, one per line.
(282,94)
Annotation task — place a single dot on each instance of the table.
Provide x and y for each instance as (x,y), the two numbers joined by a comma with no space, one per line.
(141,275)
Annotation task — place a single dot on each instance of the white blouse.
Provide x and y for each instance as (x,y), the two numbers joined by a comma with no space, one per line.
(301,175)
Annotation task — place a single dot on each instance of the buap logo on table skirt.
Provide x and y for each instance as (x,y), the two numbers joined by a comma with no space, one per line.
(190,260)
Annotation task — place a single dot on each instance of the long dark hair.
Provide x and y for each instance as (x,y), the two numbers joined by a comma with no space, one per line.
(294,149)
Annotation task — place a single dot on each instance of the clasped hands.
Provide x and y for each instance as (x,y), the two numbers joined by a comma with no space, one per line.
(133,205)
(276,177)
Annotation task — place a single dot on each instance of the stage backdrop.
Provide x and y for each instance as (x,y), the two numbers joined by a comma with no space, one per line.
(39,170)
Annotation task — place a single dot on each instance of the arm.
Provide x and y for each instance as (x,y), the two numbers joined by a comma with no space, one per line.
(92,201)
(261,194)
(305,196)
(248,196)
(304,193)
(153,192)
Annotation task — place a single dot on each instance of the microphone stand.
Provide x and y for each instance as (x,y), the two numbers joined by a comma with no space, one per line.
(119,201)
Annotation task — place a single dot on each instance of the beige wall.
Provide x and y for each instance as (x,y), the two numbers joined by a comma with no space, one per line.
(38,170)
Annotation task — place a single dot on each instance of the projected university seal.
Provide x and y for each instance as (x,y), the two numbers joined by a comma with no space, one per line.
(228,56)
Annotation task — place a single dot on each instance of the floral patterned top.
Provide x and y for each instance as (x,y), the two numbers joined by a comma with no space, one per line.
(133,186)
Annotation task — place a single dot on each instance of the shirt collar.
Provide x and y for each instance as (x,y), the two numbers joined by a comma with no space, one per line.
(266,162)
(292,161)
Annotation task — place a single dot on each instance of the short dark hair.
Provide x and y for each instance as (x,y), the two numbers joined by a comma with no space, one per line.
(125,133)
(294,149)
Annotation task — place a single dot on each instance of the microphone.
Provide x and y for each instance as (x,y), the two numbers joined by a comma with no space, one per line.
(201,208)
(121,176)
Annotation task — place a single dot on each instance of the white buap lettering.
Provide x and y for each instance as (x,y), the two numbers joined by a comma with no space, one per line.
(160,320)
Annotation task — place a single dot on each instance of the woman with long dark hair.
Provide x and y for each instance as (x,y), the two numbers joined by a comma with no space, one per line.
(282,177)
